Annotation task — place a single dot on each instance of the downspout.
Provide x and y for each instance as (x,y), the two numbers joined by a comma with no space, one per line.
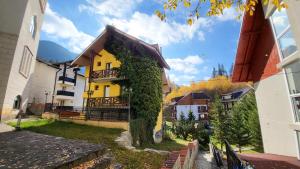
(54,87)
(64,72)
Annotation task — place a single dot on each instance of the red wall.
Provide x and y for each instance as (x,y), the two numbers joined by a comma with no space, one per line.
(265,56)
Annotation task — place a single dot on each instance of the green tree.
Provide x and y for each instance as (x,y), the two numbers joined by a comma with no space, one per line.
(245,127)
(220,121)
(253,121)
(239,130)
(186,126)
(143,77)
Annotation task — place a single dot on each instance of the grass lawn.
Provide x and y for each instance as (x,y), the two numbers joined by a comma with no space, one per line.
(127,158)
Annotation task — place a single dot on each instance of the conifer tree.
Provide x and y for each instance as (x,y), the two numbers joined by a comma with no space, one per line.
(220,121)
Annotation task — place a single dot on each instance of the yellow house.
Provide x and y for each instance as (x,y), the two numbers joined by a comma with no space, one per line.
(103,99)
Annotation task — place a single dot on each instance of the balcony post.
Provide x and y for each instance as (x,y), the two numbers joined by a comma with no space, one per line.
(90,81)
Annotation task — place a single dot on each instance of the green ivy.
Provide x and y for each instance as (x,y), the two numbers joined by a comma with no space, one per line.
(143,77)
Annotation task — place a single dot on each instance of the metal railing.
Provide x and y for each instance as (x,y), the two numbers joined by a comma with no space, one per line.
(217,156)
(108,73)
(65,93)
(67,79)
(233,161)
(108,102)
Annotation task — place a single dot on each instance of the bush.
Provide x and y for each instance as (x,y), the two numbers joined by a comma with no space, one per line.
(185,127)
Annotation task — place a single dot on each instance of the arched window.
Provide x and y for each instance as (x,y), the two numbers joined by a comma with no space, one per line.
(17,102)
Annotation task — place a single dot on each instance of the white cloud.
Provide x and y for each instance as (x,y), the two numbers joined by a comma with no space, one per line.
(61,28)
(229,14)
(112,8)
(186,65)
(181,79)
(152,30)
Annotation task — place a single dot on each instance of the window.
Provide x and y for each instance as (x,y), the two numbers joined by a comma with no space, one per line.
(98,63)
(296,104)
(202,109)
(32,27)
(106,91)
(17,102)
(96,87)
(283,33)
(293,77)
(26,62)
(298,139)
(108,66)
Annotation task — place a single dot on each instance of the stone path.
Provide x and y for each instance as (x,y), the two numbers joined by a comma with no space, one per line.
(5,128)
(24,149)
(205,161)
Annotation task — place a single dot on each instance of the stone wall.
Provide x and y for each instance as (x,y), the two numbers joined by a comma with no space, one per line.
(183,159)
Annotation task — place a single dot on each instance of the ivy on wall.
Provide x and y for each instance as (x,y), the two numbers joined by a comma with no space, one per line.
(143,77)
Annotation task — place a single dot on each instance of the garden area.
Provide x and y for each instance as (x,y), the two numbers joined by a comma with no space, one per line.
(127,158)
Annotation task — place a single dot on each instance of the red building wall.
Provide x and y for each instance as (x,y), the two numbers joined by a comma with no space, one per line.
(265,55)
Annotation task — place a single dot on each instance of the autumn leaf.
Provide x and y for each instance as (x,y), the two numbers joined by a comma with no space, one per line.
(190,21)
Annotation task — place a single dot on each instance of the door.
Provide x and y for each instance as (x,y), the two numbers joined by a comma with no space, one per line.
(106,91)
(108,66)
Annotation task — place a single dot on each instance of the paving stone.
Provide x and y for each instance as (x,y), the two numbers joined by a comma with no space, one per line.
(26,149)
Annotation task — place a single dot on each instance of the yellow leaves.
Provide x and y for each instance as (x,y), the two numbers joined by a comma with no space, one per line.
(220,83)
(161,16)
(216,7)
(190,21)
(186,3)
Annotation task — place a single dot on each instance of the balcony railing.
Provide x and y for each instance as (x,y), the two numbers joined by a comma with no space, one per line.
(66,79)
(65,93)
(105,74)
(108,102)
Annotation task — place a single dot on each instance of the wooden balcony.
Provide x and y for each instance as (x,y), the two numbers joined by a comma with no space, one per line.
(105,75)
(108,102)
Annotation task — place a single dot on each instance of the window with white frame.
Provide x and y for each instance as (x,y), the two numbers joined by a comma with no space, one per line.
(26,62)
(283,32)
(298,139)
(287,46)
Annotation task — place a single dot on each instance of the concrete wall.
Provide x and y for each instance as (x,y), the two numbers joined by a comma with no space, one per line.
(79,89)
(41,83)
(276,115)
(17,84)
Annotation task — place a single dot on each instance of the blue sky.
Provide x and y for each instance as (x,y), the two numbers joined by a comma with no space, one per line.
(191,51)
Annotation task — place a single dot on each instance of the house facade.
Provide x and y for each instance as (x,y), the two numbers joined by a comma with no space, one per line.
(229,99)
(55,86)
(268,54)
(20,27)
(104,100)
(195,102)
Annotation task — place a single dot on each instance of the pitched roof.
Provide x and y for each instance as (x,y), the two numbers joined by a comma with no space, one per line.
(138,45)
(236,95)
(200,95)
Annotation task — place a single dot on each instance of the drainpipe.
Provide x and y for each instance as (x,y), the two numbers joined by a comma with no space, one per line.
(54,86)
(64,72)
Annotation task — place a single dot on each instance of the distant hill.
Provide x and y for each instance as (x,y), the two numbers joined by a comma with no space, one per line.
(53,53)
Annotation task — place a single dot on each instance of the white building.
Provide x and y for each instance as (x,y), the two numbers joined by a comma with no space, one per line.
(195,102)
(55,84)
(268,54)
(20,27)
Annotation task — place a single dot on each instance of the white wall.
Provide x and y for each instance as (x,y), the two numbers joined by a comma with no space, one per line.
(185,109)
(43,79)
(79,89)
(17,84)
(276,116)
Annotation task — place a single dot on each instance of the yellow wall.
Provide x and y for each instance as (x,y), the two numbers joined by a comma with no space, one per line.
(106,57)
(159,121)
(114,89)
